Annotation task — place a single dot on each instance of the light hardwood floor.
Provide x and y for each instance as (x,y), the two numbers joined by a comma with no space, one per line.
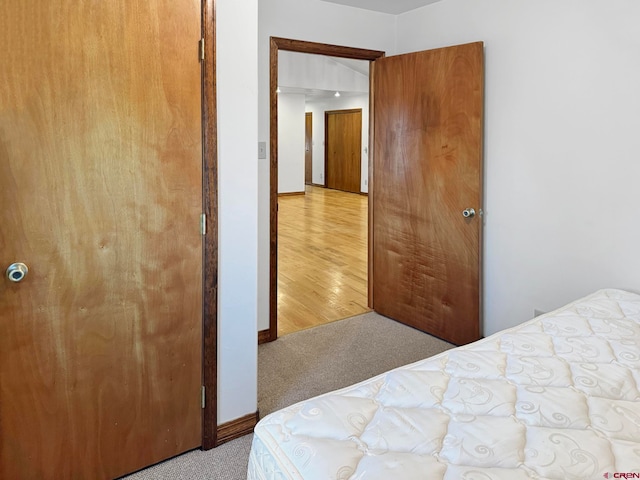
(322,258)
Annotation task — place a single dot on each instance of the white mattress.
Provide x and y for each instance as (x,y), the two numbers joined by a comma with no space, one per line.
(554,398)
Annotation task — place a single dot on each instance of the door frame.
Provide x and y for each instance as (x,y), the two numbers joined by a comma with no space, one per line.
(301,46)
(308,168)
(210,238)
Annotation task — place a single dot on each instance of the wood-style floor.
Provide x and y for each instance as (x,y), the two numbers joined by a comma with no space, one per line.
(322,258)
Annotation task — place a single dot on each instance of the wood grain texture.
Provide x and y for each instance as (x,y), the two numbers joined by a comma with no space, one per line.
(273,189)
(101,190)
(371,192)
(427,170)
(210,206)
(322,243)
(301,46)
(315,48)
(237,428)
(264,336)
(343,142)
(290,194)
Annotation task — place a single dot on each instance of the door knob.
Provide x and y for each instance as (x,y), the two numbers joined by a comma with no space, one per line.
(17,271)
(468,212)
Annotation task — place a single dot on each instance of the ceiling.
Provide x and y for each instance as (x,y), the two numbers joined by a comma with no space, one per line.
(385,6)
(316,94)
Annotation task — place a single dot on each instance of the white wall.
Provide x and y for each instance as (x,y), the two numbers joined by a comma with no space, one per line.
(237,82)
(291,142)
(314,21)
(562,143)
(342,103)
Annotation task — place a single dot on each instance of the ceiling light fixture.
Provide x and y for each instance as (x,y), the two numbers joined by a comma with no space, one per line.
(337,94)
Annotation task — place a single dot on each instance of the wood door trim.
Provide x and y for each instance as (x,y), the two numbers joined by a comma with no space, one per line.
(290,194)
(210,240)
(349,110)
(372,68)
(326,140)
(237,428)
(264,336)
(301,46)
(308,151)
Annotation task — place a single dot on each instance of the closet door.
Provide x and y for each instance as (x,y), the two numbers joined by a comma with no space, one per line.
(101,193)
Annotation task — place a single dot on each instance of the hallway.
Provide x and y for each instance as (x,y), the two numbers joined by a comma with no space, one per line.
(322,258)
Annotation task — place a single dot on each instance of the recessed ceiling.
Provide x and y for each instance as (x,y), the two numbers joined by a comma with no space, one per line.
(329,74)
(385,6)
(315,95)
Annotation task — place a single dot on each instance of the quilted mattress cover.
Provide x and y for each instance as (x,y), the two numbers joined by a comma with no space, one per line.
(554,398)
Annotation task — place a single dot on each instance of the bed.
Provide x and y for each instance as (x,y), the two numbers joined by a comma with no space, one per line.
(554,398)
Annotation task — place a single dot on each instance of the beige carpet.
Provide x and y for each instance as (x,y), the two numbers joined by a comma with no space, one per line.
(302,365)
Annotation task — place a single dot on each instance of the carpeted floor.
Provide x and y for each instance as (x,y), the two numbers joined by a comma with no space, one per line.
(300,366)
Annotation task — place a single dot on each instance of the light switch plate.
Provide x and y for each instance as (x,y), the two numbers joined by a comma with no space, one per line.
(262,149)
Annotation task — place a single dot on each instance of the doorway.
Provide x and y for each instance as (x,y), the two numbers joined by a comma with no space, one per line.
(440,118)
(278,44)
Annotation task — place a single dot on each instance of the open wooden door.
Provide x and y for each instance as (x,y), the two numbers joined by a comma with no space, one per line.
(101,193)
(427,190)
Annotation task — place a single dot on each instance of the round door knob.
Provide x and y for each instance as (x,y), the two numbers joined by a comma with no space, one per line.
(468,212)
(17,271)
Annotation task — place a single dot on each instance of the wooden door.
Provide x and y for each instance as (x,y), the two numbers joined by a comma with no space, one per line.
(343,141)
(427,170)
(101,191)
(308,148)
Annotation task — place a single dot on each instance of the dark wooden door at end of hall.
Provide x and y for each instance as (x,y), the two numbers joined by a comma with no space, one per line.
(343,142)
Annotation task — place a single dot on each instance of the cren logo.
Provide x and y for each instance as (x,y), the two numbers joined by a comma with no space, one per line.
(607,475)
